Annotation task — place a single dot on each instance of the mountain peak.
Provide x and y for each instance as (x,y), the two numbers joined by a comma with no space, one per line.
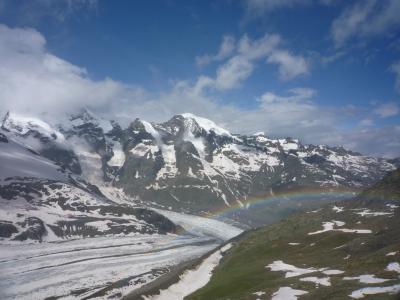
(23,125)
(85,116)
(206,124)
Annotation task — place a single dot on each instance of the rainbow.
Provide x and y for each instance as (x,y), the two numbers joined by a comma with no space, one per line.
(292,195)
(318,194)
(299,195)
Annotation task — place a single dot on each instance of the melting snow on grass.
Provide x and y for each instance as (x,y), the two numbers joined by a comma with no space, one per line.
(332,272)
(318,280)
(366,279)
(287,293)
(392,206)
(291,271)
(394,266)
(361,293)
(192,280)
(337,209)
(259,294)
(329,226)
(367,212)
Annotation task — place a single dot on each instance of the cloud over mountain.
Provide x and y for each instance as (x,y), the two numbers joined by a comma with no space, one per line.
(34,81)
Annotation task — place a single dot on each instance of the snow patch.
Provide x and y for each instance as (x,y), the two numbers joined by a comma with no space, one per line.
(337,209)
(192,280)
(287,293)
(329,226)
(291,271)
(332,272)
(394,266)
(118,158)
(361,293)
(318,280)
(367,212)
(367,279)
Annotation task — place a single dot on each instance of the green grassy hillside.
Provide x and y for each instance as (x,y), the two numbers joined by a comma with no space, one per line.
(243,271)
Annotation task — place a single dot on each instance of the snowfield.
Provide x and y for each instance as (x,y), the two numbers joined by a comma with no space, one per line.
(79,268)
(16,160)
(103,267)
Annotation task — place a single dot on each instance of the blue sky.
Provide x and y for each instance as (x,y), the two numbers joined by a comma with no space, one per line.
(326,71)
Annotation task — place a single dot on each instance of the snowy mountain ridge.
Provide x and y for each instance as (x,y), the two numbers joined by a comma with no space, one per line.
(189,163)
(116,197)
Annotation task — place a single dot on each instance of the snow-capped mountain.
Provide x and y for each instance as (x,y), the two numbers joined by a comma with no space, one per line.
(190,163)
(45,202)
(87,188)
(63,237)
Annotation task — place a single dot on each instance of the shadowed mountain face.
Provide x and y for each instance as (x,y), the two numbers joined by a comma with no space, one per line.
(347,249)
(191,164)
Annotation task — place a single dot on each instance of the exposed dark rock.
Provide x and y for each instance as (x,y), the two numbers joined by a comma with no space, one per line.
(7,229)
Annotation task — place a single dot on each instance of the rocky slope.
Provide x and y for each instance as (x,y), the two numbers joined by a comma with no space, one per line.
(349,250)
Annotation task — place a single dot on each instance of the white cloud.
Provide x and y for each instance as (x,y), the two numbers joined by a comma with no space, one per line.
(240,66)
(232,73)
(290,66)
(225,50)
(366,122)
(294,114)
(387,110)
(33,81)
(296,95)
(383,141)
(366,19)
(259,48)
